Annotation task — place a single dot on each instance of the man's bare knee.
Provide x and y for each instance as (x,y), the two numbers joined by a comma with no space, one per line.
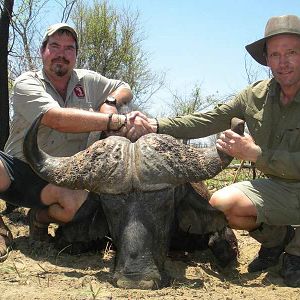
(63,203)
(214,199)
(58,215)
(226,198)
(218,200)
(70,207)
(52,194)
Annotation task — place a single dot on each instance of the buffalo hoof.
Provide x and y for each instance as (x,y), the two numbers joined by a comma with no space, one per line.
(224,246)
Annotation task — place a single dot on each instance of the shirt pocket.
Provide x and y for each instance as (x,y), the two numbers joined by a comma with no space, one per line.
(254,120)
(291,138)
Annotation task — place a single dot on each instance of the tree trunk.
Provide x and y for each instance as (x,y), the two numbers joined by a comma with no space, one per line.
(5,19)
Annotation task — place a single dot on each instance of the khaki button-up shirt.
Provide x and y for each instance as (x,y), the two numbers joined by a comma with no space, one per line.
(33,93)
(275,128)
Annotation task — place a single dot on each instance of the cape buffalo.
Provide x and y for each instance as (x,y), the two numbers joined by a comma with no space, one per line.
(140,194)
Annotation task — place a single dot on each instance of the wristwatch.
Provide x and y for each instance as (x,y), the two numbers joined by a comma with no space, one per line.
(111,100)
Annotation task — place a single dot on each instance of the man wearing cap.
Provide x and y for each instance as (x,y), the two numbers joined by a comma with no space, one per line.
(70,100)
(266,207)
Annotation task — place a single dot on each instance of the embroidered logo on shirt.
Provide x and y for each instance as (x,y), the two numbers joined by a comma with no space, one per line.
(79,91)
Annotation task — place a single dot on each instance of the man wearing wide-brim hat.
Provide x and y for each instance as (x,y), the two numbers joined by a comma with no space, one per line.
(266,207)
(275,26)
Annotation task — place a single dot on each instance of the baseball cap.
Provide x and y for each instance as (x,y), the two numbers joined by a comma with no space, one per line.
(55,27)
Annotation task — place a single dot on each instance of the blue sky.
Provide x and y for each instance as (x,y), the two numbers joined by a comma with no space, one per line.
(203,42)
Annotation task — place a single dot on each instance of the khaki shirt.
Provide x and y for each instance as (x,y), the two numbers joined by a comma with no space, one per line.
(33,93)
(275,128)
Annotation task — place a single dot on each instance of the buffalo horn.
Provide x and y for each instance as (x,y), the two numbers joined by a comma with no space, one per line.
(115,165)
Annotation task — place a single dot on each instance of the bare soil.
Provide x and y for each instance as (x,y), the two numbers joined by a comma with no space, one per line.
(38,271)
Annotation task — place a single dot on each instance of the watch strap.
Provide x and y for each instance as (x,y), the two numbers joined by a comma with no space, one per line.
(111,100)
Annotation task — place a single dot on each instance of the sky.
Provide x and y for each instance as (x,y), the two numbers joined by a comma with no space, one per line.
(202,42)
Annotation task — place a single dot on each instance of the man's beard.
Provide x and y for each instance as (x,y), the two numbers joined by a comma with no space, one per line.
(59,69)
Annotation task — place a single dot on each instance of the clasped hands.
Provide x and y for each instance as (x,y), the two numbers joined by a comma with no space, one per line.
(136,125)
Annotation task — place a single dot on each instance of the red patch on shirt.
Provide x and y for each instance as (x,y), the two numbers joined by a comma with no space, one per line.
(79,91)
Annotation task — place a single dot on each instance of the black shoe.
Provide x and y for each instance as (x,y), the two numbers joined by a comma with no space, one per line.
(290,270)
(269,257)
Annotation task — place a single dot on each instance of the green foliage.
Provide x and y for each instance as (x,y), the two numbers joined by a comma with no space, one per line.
(110,43)
(233,173)
(225,178)
(195,101)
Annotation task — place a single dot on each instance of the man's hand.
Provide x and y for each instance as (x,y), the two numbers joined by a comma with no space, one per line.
(139,124)
(108,109)
(241,147)
(120,132)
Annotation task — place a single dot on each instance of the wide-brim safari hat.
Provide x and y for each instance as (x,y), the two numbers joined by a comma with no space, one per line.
(288,24)
(55,27)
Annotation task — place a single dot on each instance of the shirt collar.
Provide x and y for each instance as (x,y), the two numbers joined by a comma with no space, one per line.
(274,89)
(75,77)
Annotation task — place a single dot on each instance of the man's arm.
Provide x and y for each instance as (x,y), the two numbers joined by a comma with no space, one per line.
(118,98)
(195,125)
(75,120)
(123,95)
(115,101)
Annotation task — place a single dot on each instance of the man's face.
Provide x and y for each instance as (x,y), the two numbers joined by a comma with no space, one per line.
(59,55)
(283,58)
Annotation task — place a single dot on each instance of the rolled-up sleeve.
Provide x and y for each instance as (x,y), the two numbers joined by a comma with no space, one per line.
(30,98)
(198,125)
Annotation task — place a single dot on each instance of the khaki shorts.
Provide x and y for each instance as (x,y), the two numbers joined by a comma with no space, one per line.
(277,203)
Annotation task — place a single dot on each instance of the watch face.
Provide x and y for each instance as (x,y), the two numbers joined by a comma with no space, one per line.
(111,100)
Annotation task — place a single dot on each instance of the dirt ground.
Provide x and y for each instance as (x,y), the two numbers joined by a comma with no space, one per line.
(38,271)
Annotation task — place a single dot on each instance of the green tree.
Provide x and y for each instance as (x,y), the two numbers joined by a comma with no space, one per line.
(25,33)
(188,104)
(111,44)
(193,102)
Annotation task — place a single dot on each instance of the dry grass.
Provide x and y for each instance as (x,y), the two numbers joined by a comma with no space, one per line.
(230,175)
(38,271)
